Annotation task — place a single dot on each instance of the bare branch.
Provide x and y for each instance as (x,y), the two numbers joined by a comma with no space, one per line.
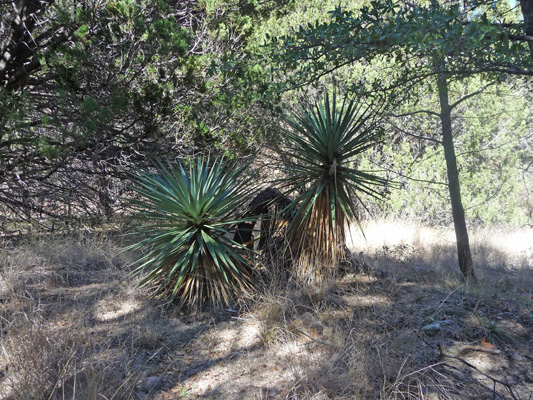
(452,106)
(412,134)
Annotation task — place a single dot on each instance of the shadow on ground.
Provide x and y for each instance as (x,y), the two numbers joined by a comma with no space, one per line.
(76,327)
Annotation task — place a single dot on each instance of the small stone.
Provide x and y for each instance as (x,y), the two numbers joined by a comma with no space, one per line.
(153,383)
(141,396)
(517,357)
(432,329)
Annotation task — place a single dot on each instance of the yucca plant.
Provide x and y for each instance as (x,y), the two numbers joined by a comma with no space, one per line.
(187,215)
(322,143)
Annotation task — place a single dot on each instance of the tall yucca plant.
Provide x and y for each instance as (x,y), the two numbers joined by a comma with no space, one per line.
(187,215)
(322,142)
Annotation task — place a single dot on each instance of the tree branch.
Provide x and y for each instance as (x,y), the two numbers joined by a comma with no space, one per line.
(452,106)
(412,134)
(521,38)
(435,114)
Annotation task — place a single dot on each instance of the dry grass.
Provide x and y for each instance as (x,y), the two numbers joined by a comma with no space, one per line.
(503,258)
(436,245)
(73,326)
(326,336)
(48,348)
(371,343)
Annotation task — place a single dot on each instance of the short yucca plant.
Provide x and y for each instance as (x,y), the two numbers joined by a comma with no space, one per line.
(187,214)
(322,143)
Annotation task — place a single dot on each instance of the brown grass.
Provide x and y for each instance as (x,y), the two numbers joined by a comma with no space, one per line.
(47,348)
(500,255)
(73,325)
(372,344)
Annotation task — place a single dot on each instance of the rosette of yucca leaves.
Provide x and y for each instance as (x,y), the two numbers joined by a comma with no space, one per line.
(322,146)
(187,215)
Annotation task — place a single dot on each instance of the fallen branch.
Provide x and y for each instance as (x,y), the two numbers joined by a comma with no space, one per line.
(468,347)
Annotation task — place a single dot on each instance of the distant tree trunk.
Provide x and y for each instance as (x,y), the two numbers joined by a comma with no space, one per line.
(527,13)
(17,42)
(461,233)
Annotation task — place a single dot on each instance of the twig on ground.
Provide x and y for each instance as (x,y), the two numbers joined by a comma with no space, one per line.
(468,347)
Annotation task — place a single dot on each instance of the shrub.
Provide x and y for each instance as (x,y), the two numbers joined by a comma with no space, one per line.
(322,144)
(187,216)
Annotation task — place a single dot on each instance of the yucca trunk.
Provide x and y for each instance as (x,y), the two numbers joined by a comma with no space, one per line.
(203,284)
(318,241)
(206,282)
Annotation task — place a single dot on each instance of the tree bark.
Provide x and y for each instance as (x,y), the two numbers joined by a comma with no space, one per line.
(461,233)
(527,13)
(19,42)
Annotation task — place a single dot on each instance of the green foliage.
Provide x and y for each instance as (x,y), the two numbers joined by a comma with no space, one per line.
(186,217)
(115,84)
(380,47)
(321,144)
(472,40)
(492,139)
(128,80)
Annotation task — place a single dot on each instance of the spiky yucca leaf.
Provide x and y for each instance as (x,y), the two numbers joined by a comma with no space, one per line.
(187,215)
(322,143)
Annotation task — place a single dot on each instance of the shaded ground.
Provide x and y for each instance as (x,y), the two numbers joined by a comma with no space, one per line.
(73,326)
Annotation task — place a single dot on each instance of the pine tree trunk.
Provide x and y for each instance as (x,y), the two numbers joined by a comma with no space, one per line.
(461,233)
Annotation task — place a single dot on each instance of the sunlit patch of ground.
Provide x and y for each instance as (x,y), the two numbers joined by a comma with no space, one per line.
(435,246)
(109,309)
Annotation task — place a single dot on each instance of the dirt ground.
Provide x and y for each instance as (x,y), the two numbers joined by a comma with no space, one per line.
(74,326)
